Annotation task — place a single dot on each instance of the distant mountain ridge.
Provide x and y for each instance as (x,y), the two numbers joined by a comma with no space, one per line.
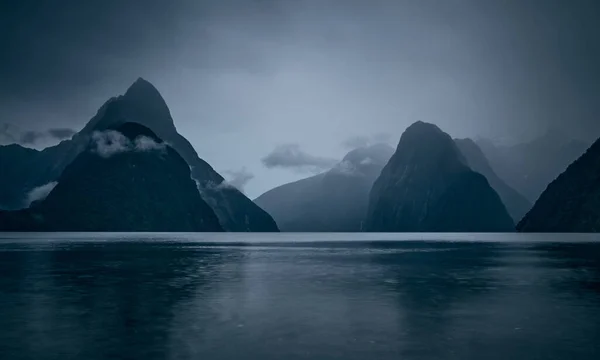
(530,166)
(516,204)
(335,200)
(571,203)
(126,179)
(427,186)
(427,183)
(142,104)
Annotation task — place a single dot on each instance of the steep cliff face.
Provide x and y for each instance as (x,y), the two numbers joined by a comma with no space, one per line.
(143,104)
(127,179)
(332,201)
(428,186)
(516,204)
(571,203)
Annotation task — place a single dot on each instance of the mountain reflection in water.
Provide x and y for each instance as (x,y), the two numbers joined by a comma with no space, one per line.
(267,296)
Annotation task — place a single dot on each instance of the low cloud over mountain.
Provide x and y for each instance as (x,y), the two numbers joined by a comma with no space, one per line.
(40,192)
(292,157)
(238,178)
(110,142)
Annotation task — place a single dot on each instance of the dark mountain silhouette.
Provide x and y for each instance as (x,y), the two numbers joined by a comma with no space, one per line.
(15,168)
(571,203)
(127,179)
(332,201)
(516,204)
(142,104)
(427,186)
(529,167)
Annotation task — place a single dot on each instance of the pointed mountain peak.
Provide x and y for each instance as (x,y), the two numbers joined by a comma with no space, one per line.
(421,128)
(142,89)
(430,147)
(422,135)
(145,100)
(141,85)
(141,103)
(428,186)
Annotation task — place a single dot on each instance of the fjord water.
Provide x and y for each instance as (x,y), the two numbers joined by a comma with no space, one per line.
(293,296)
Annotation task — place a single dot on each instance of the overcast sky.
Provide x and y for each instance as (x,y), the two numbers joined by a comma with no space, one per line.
(246,78)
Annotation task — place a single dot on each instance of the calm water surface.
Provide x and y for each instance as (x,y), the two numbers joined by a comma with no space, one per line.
(290,296)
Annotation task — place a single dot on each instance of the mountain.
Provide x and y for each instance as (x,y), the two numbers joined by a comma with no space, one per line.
(571,203)
(127,179)
(529,167)
(332,201)
(14,167)
(143,104)
(427,186)
(29,168)
(516,204)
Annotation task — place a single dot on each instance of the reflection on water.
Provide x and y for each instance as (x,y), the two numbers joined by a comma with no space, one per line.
(161,297)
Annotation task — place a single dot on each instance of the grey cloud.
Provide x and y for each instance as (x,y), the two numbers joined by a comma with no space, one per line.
(6,134)
(359,141)
(30,137)
(238,178)
(40,192)
(110,142)
(209,186)
(212,186)
(62,133)
(356,142)
(367,161)
(385,138)
(349,168)
(144,143)
(346,168)
(11,134)
(292,157)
